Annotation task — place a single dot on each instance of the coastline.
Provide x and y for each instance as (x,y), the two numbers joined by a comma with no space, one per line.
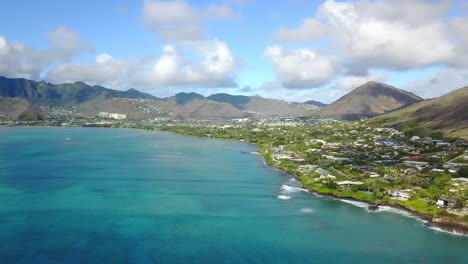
(443,224)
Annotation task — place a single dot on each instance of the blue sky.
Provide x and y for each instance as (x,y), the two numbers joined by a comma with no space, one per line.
(293,49)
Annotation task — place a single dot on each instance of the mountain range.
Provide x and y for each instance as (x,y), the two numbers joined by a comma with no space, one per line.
(38,98)
(390,106)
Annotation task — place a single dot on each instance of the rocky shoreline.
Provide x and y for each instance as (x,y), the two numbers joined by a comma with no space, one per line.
(442,223)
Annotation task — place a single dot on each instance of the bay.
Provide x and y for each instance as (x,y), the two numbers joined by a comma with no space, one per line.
(85,195)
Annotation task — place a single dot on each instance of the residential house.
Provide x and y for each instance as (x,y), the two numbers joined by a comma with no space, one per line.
(400,194)
(443,202)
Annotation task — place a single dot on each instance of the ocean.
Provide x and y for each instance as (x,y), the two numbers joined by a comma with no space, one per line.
(87,195)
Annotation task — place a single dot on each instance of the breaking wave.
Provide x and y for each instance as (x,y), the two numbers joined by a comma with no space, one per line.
(447,232)
(355,203)
(289,189)
(284,197)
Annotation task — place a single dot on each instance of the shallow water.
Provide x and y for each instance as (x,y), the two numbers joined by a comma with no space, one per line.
(82,195)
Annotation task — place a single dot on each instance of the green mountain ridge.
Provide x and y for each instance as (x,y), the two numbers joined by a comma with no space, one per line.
(447,114)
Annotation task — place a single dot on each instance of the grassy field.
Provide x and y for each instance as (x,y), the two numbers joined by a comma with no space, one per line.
(420,206)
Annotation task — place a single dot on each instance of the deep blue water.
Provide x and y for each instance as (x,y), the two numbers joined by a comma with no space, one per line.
(82,195)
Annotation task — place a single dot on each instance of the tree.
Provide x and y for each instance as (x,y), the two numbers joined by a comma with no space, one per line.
(331,185)
(463,172)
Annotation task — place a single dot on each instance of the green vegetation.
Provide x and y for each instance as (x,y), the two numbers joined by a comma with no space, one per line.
(420,206)
(414,130)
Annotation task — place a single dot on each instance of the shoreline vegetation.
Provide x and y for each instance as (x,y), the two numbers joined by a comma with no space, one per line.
(442,223)
(432,216)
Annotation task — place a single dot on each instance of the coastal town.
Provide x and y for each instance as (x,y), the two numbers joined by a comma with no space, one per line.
(347,159)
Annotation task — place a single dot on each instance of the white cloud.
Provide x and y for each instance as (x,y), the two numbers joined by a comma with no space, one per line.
(439,83)
(386,34)
(67,44)
(390,34)
(218,12)
(302,68)
(104,71)
(178,20)
(20,60)
(309,30)
(215,69)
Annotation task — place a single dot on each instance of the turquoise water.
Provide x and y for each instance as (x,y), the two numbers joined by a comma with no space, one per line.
(76,195)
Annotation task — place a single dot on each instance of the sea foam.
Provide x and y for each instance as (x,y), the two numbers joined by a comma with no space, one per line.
(447,232)
(290,189)
(356,203)
(284,197)
(307,210)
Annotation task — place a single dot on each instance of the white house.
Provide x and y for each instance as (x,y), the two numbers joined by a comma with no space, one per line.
(400,194)
(443,202)
(112,115)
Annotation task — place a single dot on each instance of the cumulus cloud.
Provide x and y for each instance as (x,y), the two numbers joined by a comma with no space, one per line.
(370,36)
(180,21)
(302,68)
(105,70)
(309,30)
(67,44)
(390,34)
(215,69)
(439,83)
(20,60)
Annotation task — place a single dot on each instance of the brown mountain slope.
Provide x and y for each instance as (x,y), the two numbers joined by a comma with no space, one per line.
(203,108)
(260,106)
(368,100)
(447,114)
(15,108)
(273,107)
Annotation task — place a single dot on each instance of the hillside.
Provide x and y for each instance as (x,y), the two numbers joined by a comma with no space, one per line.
(447,114)
(316,103)
(258,105)
(368,100)
(193,105)
(16,108)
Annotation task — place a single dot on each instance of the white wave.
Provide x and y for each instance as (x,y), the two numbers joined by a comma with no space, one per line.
(398,211)
(408,214)
(447,232)
(355,203)
(284,197)
(289,189)
(292,180)
(393,210)
(67,138)
(307,210)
